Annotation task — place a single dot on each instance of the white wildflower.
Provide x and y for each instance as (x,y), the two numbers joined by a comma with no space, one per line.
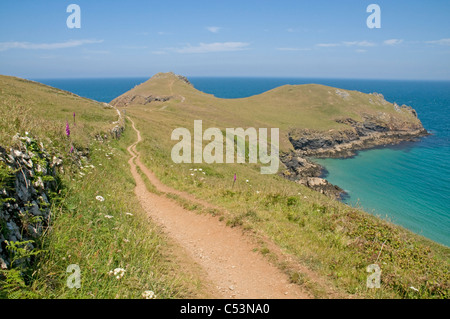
(192,174)
(118,272)
(100,198)
(246,180)
(129,214)
(148,294)
(200,169)
(108,216)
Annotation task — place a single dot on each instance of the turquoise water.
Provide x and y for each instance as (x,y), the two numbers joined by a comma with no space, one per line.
(409,183)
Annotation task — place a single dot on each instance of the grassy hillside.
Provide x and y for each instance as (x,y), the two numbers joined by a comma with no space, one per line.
(332,239)
(98,236)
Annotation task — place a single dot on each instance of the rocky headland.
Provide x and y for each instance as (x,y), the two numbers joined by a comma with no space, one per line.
(372,131)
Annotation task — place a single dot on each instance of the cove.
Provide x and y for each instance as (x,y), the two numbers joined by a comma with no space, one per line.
(392,184)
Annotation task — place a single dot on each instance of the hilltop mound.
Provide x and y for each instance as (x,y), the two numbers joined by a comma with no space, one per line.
(160,88)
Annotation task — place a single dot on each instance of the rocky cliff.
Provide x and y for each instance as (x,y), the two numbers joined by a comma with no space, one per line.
(370,131)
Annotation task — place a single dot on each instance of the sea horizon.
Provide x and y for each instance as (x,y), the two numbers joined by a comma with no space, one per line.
(36,79)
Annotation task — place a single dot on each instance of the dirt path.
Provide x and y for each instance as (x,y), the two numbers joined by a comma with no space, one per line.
(224,253)
(171,92)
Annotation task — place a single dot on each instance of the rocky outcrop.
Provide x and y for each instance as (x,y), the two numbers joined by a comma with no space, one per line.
(119,125)
(306,172)
(371,131)
(126,100)
(28,180)
(182,78)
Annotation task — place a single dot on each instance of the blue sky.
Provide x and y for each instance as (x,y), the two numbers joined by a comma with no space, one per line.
(327,39)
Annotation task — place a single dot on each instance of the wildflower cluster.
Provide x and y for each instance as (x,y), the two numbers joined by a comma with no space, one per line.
(148,294)
(196,170)
(118,273)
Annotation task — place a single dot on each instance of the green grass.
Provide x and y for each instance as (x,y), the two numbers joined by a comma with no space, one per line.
(84,233)
(334,240)
(97,236)
(43,111)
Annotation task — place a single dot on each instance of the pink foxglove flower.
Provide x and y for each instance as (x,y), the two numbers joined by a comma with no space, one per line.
(67,129)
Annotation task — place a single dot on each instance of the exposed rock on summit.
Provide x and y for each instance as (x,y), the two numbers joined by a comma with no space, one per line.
(124,101)
(149,92)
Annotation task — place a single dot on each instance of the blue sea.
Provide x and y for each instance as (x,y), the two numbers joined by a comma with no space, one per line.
(408,184)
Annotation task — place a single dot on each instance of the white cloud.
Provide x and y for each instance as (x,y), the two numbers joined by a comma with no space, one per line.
(45,46)
(347,43)
(393,41)
(361,51)
(440,42)
(213,29)
(214,47)
(359,43)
